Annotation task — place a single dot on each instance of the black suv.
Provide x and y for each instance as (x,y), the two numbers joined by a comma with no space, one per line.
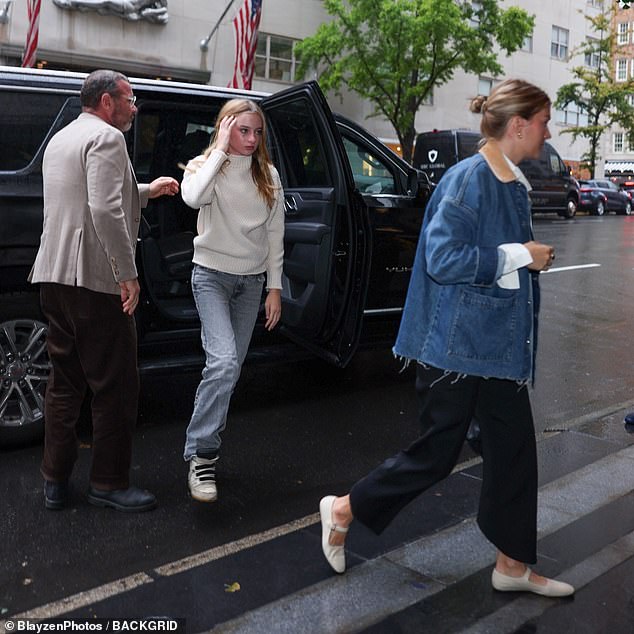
(353,215)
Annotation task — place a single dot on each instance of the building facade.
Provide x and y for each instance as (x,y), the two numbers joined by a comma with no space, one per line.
(618,144)
(170,39)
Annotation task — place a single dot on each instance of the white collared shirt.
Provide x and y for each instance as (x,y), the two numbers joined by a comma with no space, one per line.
(515,255)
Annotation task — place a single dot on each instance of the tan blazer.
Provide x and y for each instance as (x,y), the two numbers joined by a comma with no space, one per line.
(92,208)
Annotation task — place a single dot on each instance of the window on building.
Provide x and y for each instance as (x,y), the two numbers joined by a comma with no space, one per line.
(572,115)
(593,56)
(559,43)
(623,32)
(527,44)
(475,18)
(621,69)
(275,58)
(485,86)
(617,142)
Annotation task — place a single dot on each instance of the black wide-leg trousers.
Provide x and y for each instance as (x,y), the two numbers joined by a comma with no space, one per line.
(447,403)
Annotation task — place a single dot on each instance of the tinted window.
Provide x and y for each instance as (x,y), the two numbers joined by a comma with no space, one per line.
(298,149)
(371,175)
(167,136)
(25,120)
(467,144)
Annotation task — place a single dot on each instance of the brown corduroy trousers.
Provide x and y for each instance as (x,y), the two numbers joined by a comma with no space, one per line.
(92,345)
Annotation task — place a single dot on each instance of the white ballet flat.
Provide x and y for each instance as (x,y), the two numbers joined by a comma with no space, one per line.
(335,555)
(505,583)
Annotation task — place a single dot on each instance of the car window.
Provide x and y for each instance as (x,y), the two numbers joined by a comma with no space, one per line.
(371,175)
(165,136)
(25,121)
(553,160)
(297,147)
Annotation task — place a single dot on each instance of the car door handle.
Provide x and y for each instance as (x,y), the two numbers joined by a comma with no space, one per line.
(290,205)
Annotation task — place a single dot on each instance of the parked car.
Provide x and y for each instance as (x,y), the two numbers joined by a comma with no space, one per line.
(627,186)
(553,188)
(353,214)
(601,196)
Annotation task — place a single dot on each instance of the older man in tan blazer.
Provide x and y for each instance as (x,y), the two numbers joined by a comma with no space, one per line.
(89,292)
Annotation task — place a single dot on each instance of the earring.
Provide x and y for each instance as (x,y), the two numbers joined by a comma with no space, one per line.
(519,134)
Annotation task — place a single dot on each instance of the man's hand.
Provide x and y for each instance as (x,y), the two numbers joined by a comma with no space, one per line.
(163,186)
(273,308)
(130,291)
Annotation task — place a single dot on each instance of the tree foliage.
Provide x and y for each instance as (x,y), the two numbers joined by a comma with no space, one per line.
(394,52)
(595,91)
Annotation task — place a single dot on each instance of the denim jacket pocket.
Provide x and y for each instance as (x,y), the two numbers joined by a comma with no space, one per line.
(484,327)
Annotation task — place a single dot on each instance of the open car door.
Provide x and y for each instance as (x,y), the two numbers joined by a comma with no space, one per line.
(327,238)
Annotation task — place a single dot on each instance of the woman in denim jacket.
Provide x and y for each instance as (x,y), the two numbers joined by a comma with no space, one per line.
(470,323)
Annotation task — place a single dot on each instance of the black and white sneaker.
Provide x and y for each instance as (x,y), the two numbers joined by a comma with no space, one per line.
(202,479)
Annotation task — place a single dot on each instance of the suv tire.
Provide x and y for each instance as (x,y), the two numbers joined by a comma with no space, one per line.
(24,370)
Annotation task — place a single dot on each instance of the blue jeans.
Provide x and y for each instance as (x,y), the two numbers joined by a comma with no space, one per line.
(228,308)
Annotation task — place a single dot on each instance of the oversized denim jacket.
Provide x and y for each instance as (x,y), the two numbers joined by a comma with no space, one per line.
(456,317)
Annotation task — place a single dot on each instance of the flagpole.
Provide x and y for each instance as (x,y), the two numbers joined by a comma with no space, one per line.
(204,44)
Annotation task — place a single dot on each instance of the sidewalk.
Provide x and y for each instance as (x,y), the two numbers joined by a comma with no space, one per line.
(430,570)
(441,582)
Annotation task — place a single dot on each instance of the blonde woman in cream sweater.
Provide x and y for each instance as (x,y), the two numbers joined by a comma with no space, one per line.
(239,246)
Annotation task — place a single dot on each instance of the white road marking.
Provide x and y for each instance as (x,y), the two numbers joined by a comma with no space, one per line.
(109,590)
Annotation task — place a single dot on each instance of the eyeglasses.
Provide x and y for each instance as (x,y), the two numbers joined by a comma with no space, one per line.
(131,100)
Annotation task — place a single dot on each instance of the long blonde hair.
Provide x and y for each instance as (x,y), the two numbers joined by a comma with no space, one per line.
(261,164)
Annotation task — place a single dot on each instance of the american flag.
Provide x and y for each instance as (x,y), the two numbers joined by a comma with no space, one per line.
(30,50)
(245,27)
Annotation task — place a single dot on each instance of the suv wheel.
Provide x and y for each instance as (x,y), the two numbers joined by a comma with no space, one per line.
(24,370)
(628,208)
(600,208)
(571,208)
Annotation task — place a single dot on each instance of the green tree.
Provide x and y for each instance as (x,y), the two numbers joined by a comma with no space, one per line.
(596,92)
(394,52)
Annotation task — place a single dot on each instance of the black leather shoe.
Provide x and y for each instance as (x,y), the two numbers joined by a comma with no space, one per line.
(130,500)
(55,495)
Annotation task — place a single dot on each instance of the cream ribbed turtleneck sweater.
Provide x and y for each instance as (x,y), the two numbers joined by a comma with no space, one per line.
(237,232)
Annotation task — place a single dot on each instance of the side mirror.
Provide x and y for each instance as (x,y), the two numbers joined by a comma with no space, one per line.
(418,184)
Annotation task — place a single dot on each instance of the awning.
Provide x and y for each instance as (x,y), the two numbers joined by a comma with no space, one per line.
(619,166)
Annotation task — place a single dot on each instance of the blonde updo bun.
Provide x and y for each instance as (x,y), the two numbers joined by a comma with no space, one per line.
(478,104)
(510,98)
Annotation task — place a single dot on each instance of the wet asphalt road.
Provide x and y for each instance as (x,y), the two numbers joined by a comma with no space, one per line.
(299,430)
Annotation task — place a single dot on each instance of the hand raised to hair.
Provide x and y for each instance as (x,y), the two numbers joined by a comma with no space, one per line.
(224,132)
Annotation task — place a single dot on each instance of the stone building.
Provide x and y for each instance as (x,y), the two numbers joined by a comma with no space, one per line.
(169,39)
